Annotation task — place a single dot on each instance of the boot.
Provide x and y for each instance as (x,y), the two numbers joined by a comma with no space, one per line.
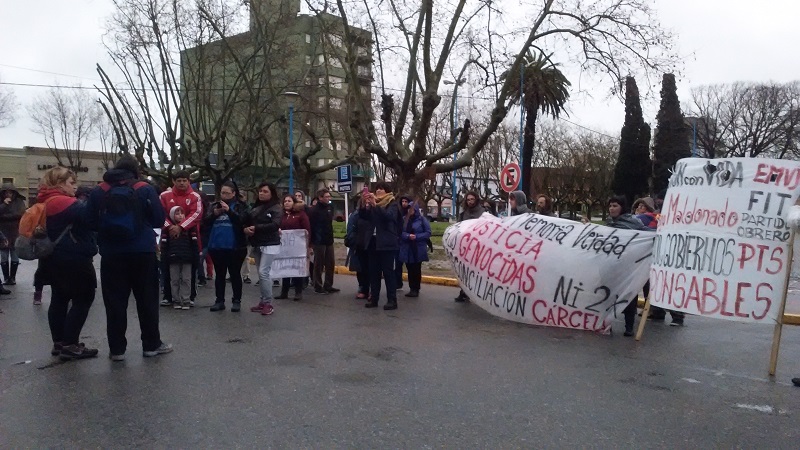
(12,280)
(218,306)
(390,305)
(4,291)
(629,318)
(284,292)
(5,266)
(37,297)
(371,303)
(298,295)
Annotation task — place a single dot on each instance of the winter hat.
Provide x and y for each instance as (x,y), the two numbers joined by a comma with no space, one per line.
(648,203)
(174,210)
(129,163)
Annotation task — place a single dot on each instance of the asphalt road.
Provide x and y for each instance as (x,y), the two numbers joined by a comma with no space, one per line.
(328,373)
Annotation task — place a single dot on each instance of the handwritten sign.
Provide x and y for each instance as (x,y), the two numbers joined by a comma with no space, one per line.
(722,244)
(292,261)
(549,271)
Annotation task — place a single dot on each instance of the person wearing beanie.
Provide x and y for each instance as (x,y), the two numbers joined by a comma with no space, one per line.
(179,253)
(645,210)
(129,265)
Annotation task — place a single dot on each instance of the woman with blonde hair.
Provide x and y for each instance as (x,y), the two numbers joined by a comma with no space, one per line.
(69,269)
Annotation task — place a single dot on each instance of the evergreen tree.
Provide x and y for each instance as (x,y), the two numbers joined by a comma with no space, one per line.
(671,141)
(633,169)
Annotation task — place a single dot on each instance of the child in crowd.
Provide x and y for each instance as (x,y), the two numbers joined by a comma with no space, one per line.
(180,252)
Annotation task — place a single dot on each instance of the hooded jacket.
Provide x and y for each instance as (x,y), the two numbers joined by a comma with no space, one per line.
(266,218)
(78,244)
(522,204)
(417,250)
(296,219)
(10,213)
(152,214)
(190,201)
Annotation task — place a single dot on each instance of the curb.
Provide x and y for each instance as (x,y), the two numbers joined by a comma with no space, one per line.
(788,319)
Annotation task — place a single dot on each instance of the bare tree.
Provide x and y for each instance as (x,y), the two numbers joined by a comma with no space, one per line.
(425,42)
(8,105)
(67,120)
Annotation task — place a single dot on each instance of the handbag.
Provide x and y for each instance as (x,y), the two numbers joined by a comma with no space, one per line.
(38,245)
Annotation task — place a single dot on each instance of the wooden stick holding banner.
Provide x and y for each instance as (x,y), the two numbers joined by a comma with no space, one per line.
(643,321)
(776,335)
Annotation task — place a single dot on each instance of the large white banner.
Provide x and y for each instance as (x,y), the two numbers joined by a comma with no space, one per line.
(722,244)
(292,261)
(549,271)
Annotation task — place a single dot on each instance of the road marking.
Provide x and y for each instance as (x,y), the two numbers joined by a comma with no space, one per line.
(760,408)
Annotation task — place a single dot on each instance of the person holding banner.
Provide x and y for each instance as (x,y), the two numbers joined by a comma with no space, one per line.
(383,213)
(544,206)
(294,218)
(227,244)
(262,227)
(519,203)
(472,210)
(617,219)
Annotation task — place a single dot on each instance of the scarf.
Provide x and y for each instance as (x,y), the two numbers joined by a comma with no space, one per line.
(385,200)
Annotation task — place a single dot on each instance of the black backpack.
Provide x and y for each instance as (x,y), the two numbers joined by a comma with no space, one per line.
(121,213)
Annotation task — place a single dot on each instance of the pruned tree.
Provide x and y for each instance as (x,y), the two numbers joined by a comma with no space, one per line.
(425,42)
(633,169)
(67,119)
(671,141)
(8,106)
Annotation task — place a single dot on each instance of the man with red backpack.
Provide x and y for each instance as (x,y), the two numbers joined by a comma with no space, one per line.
(181,194)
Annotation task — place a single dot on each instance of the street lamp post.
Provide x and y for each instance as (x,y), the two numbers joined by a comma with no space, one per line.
(290,99)
(454,113)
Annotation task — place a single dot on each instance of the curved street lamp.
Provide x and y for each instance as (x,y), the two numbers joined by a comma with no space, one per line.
(291,97)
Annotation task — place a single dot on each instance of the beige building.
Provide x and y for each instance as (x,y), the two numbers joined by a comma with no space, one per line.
(25,166)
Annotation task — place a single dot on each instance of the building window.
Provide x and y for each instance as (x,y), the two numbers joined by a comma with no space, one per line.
(308,39)
(308,144)
(308,60)
(364,71)
(8,180)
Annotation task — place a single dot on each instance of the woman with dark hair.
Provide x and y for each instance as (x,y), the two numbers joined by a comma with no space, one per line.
(69,269)
(294,218)
(262,227)
(227,244)
(383,214)
(414,236)
(359,233)
(618,219)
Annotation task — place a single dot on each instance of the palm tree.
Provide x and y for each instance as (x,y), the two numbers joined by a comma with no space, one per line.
(544,89)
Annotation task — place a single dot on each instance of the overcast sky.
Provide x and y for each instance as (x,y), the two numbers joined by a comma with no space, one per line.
(722,41)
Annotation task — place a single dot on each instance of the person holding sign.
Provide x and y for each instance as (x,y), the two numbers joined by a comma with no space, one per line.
(616,219)
(227,244)
(262,227)
(383,213)
(294,218)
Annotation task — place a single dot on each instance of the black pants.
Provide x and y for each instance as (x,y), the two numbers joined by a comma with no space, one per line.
(414,275)
(324,259)
(363,276)
(72,282)
(165,279)
(120,275)
(398,271)
(289,282)
(228,261)
(382,264)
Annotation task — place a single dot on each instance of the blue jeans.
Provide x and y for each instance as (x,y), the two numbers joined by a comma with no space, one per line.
(265,282)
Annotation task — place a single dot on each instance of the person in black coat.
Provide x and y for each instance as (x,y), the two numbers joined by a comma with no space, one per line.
(383,213)
(321,219)
(262,227)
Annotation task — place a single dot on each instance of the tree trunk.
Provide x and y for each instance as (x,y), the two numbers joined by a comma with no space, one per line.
(529,139)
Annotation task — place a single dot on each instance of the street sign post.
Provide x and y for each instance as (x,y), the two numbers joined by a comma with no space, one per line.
(344,184)
(510,177)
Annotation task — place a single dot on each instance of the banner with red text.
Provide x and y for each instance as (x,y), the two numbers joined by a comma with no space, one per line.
(549,271)
(721,249)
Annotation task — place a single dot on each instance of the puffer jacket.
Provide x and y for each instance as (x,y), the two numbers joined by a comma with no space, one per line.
(626,222)
(10,213)
(266,217)
(321,218)
(78,244)
(417,250)
(180,250)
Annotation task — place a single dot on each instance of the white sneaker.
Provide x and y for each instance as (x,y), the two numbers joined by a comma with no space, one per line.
(162,349)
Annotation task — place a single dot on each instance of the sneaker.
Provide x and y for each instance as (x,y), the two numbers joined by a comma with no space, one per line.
(77,351)
(257,308)
(236,306)
(191,303)
(202,283)
(4,291)
(218,307)
(628,333)
(176,306)
(186,306)
(56,348)
(162,349)
(361,296)
(116,357)
(321,291)
(37,298)
(332,290)
(246,280)
(412,294)
(796,381)
(676,323)
(10,282)
(267,309)
(166,302)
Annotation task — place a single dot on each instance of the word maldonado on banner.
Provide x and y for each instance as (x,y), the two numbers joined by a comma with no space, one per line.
(722,247)
(549,271)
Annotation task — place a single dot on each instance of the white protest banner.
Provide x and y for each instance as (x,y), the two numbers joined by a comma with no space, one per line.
(292,261)
(549,271)
(722,244)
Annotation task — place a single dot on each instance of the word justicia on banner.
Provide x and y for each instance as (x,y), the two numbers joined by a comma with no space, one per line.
(549,271)
(722,246)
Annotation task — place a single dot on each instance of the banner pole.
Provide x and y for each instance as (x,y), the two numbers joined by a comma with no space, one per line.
(776,335)
(645,313)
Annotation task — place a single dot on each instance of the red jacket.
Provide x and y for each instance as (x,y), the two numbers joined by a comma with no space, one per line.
(296,219)
(192,205)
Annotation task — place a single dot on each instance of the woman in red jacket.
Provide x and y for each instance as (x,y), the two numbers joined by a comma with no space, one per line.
(294,218)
